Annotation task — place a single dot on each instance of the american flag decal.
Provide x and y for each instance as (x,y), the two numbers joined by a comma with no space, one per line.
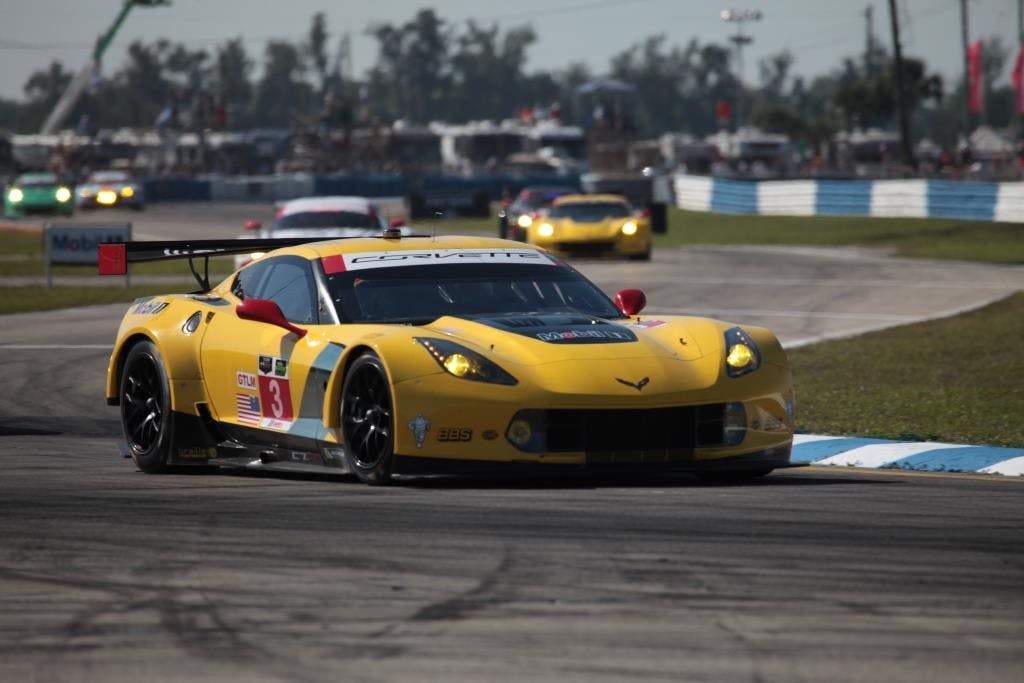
(248,409)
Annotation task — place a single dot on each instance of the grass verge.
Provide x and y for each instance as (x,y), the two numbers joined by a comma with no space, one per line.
(939,238)
(956,380)
(24,299)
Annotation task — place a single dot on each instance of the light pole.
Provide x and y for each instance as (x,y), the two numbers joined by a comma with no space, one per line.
(740,17)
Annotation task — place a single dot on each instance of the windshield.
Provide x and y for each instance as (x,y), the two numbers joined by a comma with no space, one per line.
(36,181)
(109,177)
(591,212)
(421,294)
(328,219)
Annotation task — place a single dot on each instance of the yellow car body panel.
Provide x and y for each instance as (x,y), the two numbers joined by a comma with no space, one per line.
(674,361)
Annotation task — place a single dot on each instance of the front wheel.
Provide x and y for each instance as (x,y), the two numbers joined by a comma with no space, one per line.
(146,418)
(367,420)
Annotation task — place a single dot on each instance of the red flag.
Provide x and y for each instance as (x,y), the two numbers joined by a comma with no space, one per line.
(974,77)
(1018,81)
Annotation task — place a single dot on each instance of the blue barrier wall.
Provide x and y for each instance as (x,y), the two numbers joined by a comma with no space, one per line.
(843,198)
(895,198)
(269,188)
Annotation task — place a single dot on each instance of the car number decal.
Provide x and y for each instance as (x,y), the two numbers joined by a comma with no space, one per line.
(275,398)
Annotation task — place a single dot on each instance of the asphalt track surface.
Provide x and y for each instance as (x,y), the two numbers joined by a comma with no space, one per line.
(107,574)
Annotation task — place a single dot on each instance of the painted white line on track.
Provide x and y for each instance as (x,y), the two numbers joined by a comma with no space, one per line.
(837,315)
(50,347)
(821,282)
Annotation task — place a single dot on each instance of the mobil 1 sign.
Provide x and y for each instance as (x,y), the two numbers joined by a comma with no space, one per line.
(67,243)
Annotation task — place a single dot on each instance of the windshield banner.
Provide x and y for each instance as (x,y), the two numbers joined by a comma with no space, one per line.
(416,257)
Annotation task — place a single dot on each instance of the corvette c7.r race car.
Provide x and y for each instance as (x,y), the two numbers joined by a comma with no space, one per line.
(414,355)
(592,225)
(109,189)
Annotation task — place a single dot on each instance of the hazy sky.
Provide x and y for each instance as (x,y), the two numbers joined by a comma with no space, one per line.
(818,32)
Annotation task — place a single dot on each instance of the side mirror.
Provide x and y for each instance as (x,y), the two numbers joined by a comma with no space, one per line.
(397,222)
(253,224)
(266,311)
(630,301)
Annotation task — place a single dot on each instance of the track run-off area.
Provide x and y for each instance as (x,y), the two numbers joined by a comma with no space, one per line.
(839,574)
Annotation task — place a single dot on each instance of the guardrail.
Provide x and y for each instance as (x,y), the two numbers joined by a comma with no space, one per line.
(895,198)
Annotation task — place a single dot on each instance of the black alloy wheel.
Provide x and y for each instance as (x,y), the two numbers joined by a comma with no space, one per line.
(367,420)
(145,408)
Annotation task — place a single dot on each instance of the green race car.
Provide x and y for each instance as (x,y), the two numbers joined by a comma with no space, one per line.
(38,193)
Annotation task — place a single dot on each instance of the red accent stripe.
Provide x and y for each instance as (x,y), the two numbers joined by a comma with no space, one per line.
(112,259)
(333,264)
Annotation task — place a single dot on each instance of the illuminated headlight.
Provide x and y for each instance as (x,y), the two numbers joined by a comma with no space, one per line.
(106,197)
(524,220)
(629,228)
(461,362)
(741,353)
(546,230)
(63,194)
(257,255)
(15,195)
(127,192)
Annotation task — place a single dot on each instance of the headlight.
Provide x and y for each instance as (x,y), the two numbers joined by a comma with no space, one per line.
(15,195)
(127,192)
(546,230)
(63,194)
(461,362)
(741,353)
(629,228)
(524,220)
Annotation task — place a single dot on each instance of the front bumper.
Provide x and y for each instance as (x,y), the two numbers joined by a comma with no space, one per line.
(614,245)
(439,417)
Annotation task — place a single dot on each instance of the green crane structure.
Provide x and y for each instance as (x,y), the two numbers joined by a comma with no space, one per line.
(81,81)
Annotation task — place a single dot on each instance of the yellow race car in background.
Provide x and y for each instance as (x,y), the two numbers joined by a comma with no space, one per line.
(592,225)
(410,355)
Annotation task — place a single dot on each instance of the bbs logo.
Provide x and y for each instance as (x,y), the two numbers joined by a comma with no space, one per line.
(454,434)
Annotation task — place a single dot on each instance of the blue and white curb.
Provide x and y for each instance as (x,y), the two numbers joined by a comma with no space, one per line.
(923,456)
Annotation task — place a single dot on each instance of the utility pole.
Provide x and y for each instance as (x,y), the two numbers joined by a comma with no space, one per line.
(901,93)
(869,40)
(967,68)
(740,17)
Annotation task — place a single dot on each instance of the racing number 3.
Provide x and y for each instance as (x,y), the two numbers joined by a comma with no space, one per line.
(275,398)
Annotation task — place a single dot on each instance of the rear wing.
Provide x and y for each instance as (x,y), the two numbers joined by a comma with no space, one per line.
(113,257)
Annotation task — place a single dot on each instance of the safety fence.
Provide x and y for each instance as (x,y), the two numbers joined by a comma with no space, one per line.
(895,198)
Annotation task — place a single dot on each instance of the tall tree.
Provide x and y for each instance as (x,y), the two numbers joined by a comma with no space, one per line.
(282,97)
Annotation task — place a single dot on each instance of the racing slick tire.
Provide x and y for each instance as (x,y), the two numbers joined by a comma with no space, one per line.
(146,418)
(367,420)
(646,256)
(503,227)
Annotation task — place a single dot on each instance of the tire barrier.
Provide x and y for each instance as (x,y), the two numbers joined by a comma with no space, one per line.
(917,198)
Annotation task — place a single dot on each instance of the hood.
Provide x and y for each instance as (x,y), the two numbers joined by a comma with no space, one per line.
(538,339)
(568,229)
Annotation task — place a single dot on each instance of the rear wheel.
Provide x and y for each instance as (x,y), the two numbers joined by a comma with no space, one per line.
(367,420)
(146,418)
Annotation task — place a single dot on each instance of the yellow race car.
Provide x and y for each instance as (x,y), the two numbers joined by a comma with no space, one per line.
(413,355)
(592,225)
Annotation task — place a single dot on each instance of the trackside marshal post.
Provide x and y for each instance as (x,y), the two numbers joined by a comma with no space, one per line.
(67,243)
